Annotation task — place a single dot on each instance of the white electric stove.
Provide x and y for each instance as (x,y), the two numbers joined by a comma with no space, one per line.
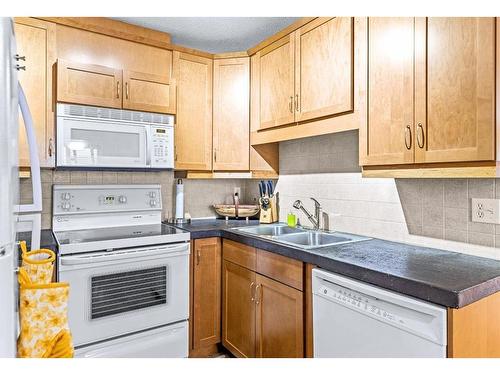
(128,272)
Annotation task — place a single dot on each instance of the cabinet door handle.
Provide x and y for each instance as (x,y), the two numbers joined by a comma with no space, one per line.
(258,293)
(408,135)
(420,131)
(290,104)
(20,67)
(215,155)
(297,102)
(19,57)
(117,89)
(252,291)
(198,257)
(175,153)
(51,145)
(126,90)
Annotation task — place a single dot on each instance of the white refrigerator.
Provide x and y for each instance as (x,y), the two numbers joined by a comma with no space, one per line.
(12,98)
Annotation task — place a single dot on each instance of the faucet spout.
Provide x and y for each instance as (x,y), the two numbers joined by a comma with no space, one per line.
(314,219)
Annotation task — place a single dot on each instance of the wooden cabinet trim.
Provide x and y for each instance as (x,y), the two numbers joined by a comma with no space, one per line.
(238,253)
(280,268)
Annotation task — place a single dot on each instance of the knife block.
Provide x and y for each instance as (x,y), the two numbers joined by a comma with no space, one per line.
(269,214)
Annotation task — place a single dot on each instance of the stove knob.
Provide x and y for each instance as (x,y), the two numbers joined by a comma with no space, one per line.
(122,199)
(152,194)
(152,203)
(65,196)
(66,206)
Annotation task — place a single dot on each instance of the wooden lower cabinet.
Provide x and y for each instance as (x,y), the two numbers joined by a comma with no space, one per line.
(279,320)
(474,330)
(262,314)
(238,310)
(205,304)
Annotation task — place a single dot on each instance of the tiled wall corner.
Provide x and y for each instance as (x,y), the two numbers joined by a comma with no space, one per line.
(200,195)
(425,211)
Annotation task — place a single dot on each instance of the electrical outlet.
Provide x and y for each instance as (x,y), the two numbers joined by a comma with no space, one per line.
(237,190)
(485,210)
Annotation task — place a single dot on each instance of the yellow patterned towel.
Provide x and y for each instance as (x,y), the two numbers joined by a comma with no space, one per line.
(43,312)
(39,264)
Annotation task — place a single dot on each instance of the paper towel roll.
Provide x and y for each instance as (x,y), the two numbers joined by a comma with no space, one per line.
(179,200)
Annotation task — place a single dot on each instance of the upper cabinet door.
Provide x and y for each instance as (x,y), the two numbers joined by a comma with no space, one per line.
(231,116)
(89,84)
(35,41)
(148,92)
(455,89)
(277,83)
(193,130)
(324,68)
(389,136)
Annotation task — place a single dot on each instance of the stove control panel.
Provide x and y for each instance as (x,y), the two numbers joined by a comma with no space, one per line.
(105,198)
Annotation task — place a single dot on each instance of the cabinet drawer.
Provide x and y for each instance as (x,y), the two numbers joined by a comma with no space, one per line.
(280,268)
(240,254)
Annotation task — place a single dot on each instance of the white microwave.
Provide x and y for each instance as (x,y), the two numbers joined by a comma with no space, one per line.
(96,137)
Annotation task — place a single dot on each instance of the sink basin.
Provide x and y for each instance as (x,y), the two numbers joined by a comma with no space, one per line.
(299,237)
(316,239)
(271,230)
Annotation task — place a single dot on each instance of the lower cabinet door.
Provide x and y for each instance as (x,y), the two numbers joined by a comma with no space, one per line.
(279,320)
(206,303)
(238,311)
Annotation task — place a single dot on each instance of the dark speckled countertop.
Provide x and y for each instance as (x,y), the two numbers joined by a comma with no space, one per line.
(439,276)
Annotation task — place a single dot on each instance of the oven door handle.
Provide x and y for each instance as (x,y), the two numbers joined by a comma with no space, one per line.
(118,255)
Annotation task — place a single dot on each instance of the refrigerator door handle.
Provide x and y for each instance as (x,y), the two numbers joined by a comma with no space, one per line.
(36,206)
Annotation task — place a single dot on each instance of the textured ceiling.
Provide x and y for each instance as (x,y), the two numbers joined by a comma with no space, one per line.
(214,34)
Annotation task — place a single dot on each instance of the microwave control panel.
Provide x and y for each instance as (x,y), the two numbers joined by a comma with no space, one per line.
(162,146)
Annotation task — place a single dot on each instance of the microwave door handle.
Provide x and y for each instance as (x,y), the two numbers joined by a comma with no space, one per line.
(148,145)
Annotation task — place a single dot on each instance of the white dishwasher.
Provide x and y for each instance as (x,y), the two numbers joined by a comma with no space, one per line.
(355,319)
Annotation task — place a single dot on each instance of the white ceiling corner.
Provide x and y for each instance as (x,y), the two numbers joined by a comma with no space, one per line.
(214,34)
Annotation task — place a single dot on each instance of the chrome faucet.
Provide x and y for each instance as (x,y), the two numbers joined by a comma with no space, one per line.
(316,219)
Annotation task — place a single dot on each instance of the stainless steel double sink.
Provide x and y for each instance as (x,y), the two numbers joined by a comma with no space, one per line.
(299,237)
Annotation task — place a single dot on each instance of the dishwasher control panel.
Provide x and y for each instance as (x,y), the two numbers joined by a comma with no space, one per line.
(359,301)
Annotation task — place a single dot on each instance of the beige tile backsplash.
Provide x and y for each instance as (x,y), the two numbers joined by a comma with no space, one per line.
(200,195)
(429,212)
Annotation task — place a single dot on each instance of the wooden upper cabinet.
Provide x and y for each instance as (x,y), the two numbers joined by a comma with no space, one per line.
(277,64)
(324,75)
(89,84)
(193,131)
(148,92)
(35,41)
(206,304)
(455,89)
(238,309)
(231,114)
(389,136)
(279,321)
